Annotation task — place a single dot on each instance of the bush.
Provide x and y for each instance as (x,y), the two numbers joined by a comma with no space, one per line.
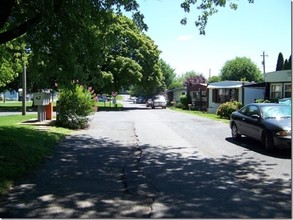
(179,105)
(225,109)
(74,105)
(185,100)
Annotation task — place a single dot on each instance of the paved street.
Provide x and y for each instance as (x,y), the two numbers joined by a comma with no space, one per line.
(155,163)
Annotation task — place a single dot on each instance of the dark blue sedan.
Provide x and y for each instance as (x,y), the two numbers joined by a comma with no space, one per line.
(269,123)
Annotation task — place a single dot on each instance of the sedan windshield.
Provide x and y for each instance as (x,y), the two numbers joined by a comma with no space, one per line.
(282,111)
(159,98)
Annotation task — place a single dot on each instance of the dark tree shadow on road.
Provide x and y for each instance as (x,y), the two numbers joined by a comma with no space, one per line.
(216,188)
(256,146)
(103,178)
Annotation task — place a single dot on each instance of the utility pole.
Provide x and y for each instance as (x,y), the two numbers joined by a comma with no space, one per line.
(264,61)
(24,57)
(24,89)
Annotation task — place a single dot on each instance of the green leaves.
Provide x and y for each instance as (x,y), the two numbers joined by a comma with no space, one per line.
(241,69)
(205,9)
(11,60)
(75,104)
(130,56)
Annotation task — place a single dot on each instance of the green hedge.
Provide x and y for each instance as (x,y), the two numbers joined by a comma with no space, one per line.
(225,109)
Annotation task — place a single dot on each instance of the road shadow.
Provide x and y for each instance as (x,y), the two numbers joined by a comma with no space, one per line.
(104,178)
(228,187)
(253,145)
(85,178)
(111,109)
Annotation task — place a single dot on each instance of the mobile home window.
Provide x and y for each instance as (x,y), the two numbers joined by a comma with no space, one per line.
(287,90)
(196,95)
(276,90)
(225,95)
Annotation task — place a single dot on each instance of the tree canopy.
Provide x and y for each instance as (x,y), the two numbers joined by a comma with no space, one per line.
(207,9)
(131,57)
(241,69)
(214,79)
(168,73)
(86,41)
(287,64)
(194,80)
(12,59)
(107,56)
(22,16)
(280,62)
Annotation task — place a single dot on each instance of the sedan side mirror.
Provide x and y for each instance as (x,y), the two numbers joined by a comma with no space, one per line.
(255,116)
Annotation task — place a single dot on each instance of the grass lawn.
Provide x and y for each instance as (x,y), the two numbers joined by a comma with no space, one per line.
(202,114)
(13,105)
(23,147)
(108,106)
(17,106)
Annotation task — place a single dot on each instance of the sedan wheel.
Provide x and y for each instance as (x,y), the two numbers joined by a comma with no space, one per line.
(268,142)
(234,132)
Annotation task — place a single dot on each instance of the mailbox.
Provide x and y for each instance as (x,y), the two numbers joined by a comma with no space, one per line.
(41,98)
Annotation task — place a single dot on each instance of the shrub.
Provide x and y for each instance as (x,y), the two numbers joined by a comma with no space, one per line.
(179,105)
(185,100)
(74,105)
(225,109)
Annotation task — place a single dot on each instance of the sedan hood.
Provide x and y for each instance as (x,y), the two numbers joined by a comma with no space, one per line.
(282,123)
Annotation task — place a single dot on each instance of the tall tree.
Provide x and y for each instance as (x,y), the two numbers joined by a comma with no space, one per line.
(241,69)
(280,62)
(194,80)
(168,73)
(187,75)
(214,79)
(287,64)
(131,57)
(22,16)
(108,56)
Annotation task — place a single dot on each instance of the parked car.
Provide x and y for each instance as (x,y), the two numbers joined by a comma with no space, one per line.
(269,123)
(20,98)
(140,100)
(157,101)
(149,103)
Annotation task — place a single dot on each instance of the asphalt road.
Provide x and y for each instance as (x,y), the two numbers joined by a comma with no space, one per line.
(155,163)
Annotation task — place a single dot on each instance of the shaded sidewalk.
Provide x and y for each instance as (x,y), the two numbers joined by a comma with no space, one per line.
(95,173)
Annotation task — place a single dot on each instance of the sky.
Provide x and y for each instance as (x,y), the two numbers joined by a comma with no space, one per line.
(264,26)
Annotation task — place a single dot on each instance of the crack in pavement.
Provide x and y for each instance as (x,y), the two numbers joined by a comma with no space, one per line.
(134,179)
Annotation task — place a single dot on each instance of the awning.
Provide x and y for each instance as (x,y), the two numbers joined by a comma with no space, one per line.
(224,87)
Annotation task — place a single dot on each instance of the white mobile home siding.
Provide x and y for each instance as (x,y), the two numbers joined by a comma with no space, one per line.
(213,106)
(250,94)
(244,95)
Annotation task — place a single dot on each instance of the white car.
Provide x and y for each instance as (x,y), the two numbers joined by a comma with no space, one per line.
(159,101)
